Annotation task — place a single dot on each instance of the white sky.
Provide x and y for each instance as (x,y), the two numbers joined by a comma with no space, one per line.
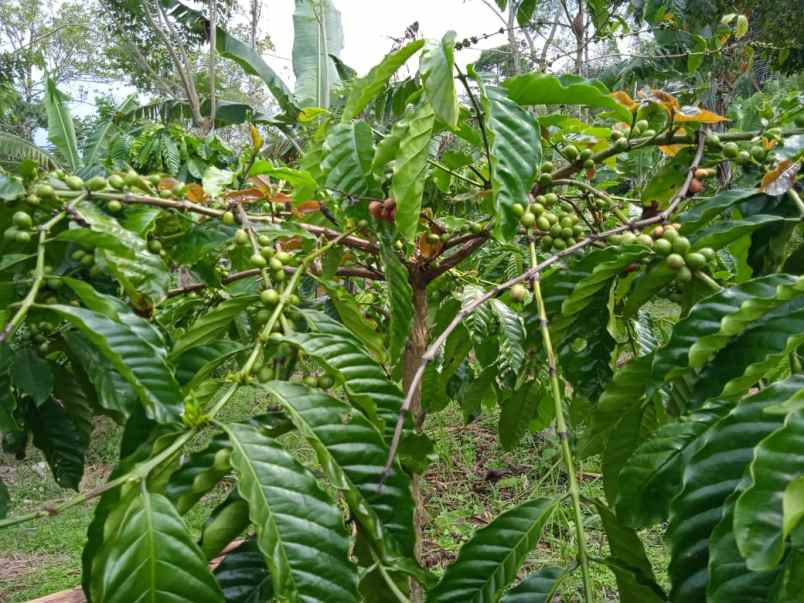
(369,24)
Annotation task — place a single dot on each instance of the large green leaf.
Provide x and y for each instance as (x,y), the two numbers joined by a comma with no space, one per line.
(148,555)
(352,453)
(348,153)
(400,296)
(653,473)
(703,213)
(485,565)
(754,352)
(410,170)
(758,518)
(142,274)
(62,428)
(512,339)
(545,89)
(317,35)
(436,66)
(197,363)
(712,322)
(636,584)
(729,578)
(210,326)
(516,155)
(60,127)
(32,375)
(299,527)
(368,87)
(139,362)
(710,476)
(722,233)
(243,575)
(538,587)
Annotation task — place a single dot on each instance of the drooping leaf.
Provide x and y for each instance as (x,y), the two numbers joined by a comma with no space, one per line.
(148,555)
(60,127)
(437,64)
(352,453)
(758,516)
(652,475)
(400,295)
(538,587)
(32,375)
(139,362)
(243,575)
(516,155)
(299,527)
(710,476)
(348,153)
(369,86)
(410,166)
(484,567)
(317,34)
(209,327)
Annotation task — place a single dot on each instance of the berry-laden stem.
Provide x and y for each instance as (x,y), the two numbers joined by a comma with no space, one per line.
(38,275)
(141,471)
(561,427)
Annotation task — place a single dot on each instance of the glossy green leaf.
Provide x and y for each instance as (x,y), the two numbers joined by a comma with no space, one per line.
(436,66)
(348,153)
(525,12)
(210,326)
(538,587)
(60,127)
(710,476)
(699,216)
(721,234)
(351,314)
(729,578)
(754,352)
(758,518)
(545,89)
(317,35)
(637,584)
(652,475)
(138,361)
(299,527)
(712,322)
(365,381)
(193,366)
(148,555)
(516,155)
(243,575)
(352,453)
(484,567)
(400,296)
(368,87)
(410,170)
(623,440)
(142,274)
(622,395)
(32,375)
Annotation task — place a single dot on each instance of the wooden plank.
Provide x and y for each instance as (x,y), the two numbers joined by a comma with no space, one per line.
(76,595)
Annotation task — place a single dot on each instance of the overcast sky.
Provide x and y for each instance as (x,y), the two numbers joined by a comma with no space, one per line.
(369,26)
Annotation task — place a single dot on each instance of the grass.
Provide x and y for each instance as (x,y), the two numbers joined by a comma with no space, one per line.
(471,481)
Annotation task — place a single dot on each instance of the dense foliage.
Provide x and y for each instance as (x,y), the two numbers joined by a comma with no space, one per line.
(625,267)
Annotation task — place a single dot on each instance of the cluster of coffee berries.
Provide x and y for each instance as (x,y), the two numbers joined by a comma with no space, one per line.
(584,156)
(319,381)
(557,226)
(383,210)
(20,229)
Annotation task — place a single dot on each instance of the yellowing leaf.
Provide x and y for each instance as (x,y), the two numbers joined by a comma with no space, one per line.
(690,113)
(665,99)
(256,138)
(624,98)
(780,179)
(671,150)
(195,193)
(742,27)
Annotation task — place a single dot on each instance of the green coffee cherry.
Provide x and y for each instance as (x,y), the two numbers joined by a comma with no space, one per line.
(275,263)
(228,218)
(663,247)
(518,209)
(571,152)
(22,219)
(22,237)
(74,183)
(519,292)
(270,297)
(589,164)
(114,206)
(695,260)
(241,237)
(325,382)
(675,261)
(681,245)
(98,183)
(547,167)
(116,181)
(528,219)
(731,150)
(154,246)
(310,381)
(258,261)
(263,240)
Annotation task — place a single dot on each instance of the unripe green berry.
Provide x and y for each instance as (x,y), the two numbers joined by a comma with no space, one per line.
(22,219)
(241,237)
(675,261)
(258,261)
(228,218)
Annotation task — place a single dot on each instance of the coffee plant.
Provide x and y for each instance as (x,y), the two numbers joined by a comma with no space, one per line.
(427,241)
